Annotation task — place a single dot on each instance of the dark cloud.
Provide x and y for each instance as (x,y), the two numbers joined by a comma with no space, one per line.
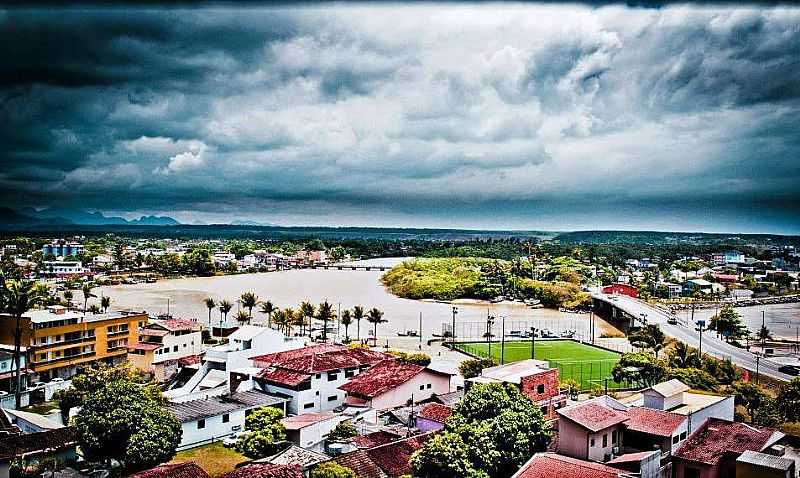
(463,115)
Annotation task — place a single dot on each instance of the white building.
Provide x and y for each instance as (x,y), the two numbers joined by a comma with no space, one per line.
(62,267)
(311,376)
(102,261)
(162,343)
(212,419)
(310,430)
(222,258)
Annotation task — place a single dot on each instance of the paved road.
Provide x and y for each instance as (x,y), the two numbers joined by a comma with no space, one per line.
(687,334)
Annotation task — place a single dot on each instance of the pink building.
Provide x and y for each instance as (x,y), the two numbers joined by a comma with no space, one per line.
(432,417)
(392,383)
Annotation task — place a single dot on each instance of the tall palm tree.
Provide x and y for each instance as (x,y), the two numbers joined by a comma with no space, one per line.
(325,313)
(210,305)
(19,297)
(242,317)
(68,297)
(224,307)
(249,301)
(346,320)
(358,314)
(267,307)
(105,303)
(94,309)
(307,310)
(278,319)
(375,317)
(288,320)
(87,293)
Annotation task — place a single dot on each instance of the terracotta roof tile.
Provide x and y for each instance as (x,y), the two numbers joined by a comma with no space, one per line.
(187,469)
(361,464)
(718,437)
(381,378)
(283,377)
(266,470)
(175,325)
(593,416)
(653,422)
(550,465)
(371,440)
(144,346)
(17,445)
(436,412)
(393,458)
(319,358)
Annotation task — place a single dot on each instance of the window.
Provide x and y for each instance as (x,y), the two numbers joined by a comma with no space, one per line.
(316,393)
(683,436)
(605,440)
(318,375)
(690,472)
(201,424)
(349,373)
(428,386)
(422,387)
(332,376)
(676,439)
(614,437)
(540,388)
(591,442)
(175,348)
(226,418)
(308,405)
(332,398)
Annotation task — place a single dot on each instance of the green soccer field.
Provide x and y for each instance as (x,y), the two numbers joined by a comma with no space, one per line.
(588,365)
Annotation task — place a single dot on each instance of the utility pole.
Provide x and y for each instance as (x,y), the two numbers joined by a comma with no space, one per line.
(489,323)
(701,324)
(453,331)
(763,326)
(758,359)
(503,341)
(533,342)
(420,330)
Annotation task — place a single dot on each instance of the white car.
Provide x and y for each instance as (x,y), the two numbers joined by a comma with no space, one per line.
(231,440)
(3,393)
(56,380)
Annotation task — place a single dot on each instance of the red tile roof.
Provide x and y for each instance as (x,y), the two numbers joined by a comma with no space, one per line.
(593,416)
(381,378)
(297,422)
(319,358)
(393,458)
(190,359)
(39,442)
(283,377)
(144,346)
(436,412)
(632,457)
(653,422)
(550,465)
(371,440)
(361,464)
(175,325)
(187,469)
(266,470)
(718,437)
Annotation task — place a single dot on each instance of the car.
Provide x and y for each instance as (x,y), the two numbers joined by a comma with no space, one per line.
(3,393)
(231,440)
(672,321)
(789,370)
(56,380)
(36,385)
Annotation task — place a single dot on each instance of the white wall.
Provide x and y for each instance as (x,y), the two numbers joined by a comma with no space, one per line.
(317,396)
(431,383)
(187,344)
(723,410)
(312,436)
(214,430)
(598,452)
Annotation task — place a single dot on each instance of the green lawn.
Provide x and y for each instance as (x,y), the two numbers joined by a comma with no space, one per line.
(586,364)
(215,459)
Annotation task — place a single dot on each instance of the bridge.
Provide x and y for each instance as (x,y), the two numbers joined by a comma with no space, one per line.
(640,312)
(346,267)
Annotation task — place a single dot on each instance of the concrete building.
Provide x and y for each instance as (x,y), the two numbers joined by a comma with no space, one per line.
(60,342)
(753,464)
(7,368)
(432,417)
(63,248)
(161,343)
(62,268)
(392,383)
(311,430)
(551,465)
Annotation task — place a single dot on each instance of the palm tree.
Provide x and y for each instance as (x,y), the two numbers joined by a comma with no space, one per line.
(68,297)
(87,293)
(267,307)
(242,317)
(683,356)
(249,300)
(288,320)
(279,320)
(94,309)
(105,303)
(346,320)
(358,314)
(325,313)
(224,307)
(210,304)
(307,310)
(375,317)
(19,297)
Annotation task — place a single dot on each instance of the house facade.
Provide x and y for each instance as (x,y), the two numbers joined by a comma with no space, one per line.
(393,383)
(161,343)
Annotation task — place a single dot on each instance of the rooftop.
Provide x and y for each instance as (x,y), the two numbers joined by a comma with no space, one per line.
(692,402)
(209,407)
(319,358)
(187,469)
(266,470)
(43,316)
(550,465)
(19,445)
(371,440)
(593,415)
(514,372)
(175,325)
(294,455)
(393,458)
(764,460)
(382,377)
(717,437)
(435,412)
(306,419)
(653,422)
(669,388)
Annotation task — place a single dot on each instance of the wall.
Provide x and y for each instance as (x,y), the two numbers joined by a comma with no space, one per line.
(424,425)
(187,344)
(317,395)
(598,452)
(431,383)
(213,431)
(722,409)
(550,380)
(747,470)
(706,471)
(313,436)
(572,439)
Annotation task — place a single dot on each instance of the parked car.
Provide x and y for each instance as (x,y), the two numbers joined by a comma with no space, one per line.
(789,370)
(56,380)
(672,321)
(36,385)
(231,440)
(3,393)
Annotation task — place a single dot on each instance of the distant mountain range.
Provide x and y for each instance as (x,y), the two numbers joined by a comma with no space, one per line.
(66,216)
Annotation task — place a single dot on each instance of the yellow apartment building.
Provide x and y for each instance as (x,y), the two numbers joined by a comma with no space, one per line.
(61,342)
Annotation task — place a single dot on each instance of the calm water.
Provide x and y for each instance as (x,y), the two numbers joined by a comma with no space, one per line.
(782,320)
(342,288)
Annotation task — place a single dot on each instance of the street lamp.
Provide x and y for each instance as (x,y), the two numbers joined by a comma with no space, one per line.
(503,340)
(533,342)
(453,330)
(701,325)
(489,323)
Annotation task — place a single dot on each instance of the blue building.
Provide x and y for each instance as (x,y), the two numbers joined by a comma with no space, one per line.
(62,248)
(7,368)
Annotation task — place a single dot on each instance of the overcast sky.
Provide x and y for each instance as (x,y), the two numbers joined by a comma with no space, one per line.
(549,117)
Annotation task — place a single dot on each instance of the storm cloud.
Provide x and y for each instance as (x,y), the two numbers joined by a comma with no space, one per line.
(514,116)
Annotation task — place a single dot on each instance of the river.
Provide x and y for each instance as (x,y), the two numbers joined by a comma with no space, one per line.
(343,289)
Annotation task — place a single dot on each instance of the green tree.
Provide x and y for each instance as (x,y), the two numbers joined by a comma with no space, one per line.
(68,398)
(210,305)
(18,298)
(723,370)
(684,356)
(789,401)
(268,308)
(87,294)
(331,469)
(750,396)
(306,311)
(105,303)
(375,317)
(342,431)
(249,301)
(728,323)
(641,368)
(695,378)
(224,307)
(123,420)
(265,430)
(242,317)
(346,320)
(445,455)
(68,298)
(358,314)
(650,336)
(325,313)
(472,368)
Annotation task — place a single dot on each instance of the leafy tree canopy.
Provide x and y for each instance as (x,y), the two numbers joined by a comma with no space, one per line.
(331,469)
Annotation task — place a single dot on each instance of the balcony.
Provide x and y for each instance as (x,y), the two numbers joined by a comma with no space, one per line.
(39,363)
(118,332)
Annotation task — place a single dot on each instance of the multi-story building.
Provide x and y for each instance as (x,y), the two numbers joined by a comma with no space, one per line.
(60,342)
(62,268)
(7,368)
(161,343)
(62,248)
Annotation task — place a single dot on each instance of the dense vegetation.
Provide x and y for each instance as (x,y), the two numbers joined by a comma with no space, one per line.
(441,279)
